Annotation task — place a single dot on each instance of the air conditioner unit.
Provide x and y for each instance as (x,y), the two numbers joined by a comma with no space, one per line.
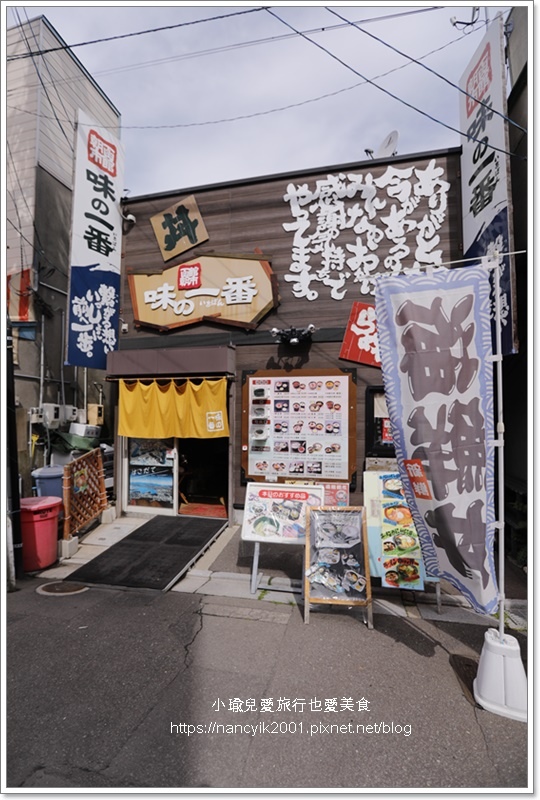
(51,415)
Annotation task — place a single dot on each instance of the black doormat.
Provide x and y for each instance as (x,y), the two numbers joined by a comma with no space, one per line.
(154,556)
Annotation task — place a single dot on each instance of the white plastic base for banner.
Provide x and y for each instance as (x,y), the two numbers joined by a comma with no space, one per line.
(500,685)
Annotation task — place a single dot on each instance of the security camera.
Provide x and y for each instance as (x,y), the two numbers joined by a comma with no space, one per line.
(131,218)
(124,327)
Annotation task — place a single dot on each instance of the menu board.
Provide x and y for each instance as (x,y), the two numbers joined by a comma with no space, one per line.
(298,426)
(401,553)
(277,513)
(337,565)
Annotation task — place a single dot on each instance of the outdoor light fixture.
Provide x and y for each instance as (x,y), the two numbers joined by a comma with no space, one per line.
(128,222)
(293,335)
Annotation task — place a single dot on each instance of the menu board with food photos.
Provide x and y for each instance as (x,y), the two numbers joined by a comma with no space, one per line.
(298,426)
(337,562)
(277,513)
(401,553)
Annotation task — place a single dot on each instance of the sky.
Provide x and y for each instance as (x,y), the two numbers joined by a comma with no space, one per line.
(250,91)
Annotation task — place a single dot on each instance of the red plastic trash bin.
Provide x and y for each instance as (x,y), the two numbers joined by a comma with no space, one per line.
(39,531)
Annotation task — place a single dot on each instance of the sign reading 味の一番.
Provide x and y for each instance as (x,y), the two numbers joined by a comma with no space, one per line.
(485,168)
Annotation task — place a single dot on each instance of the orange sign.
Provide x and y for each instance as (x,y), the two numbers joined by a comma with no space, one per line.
(232,291)
(417,478)
(179,228)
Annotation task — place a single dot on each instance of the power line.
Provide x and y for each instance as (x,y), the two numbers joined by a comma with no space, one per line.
(128,35)
(429,69)
(272,110)
(251,43)
(14,201)
(46,65)
(42,83)
(391,94)
(33,246)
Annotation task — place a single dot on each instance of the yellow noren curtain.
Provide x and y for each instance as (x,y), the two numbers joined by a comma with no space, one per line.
(155,411)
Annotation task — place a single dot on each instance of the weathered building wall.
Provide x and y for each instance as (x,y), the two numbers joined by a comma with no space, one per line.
(43,96)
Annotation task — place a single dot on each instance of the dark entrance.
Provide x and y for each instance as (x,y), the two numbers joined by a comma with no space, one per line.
(203,476)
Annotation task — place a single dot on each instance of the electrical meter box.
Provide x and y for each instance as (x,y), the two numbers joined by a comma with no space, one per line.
(69,413)
(51,415)
(36,416)
(95,414)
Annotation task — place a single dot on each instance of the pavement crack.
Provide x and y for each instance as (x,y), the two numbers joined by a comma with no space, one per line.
(189,645)
(493,763)
(34,771)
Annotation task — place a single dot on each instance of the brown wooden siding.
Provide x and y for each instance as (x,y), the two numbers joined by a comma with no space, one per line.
(248,216)
(244,217)
(319,356)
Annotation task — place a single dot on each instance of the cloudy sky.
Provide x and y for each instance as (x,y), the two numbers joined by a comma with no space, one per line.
(250,91)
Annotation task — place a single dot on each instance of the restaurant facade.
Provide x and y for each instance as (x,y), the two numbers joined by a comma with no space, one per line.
(248,348)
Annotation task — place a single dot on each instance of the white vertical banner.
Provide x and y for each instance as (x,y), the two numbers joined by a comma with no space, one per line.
(96,242)
(485,168)
(436,354)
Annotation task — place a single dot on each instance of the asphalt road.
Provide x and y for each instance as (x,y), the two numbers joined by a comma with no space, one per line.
(116,689)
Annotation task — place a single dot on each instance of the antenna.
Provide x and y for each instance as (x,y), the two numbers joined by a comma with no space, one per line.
(388,146)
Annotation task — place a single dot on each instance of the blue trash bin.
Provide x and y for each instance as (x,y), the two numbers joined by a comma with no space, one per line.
(49,481)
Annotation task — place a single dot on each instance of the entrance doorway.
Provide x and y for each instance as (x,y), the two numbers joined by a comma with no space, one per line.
(177,476)
(203,476)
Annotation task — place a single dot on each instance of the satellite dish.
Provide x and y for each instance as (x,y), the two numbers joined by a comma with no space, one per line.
(388,146)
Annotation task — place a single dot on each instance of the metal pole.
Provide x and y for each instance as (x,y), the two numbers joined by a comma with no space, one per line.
(13,460)
(62,347)
(85,393)
(42,362)
(500,441)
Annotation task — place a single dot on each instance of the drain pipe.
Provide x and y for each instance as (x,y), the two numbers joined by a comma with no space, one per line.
(85,393)
(42,363)
(63,344)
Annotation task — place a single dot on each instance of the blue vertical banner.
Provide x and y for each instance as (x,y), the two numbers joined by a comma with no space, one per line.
(436,354)
(96,241)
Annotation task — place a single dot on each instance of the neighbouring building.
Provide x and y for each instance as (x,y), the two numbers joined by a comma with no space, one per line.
(46,86)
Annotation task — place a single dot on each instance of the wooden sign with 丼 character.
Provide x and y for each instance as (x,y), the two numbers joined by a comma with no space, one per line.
(179,228)
(337,560)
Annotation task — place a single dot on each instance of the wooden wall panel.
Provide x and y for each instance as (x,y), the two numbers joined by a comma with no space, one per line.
(242,217)
(251,214)
(323,356)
